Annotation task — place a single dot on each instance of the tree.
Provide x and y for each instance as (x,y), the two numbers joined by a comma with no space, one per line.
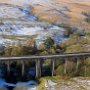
(49,42)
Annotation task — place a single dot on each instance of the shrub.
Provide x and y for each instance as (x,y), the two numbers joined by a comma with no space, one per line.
(41,85)
(76,44)
(49,42)
(13,51)
(85,68)
(69,30)
(87,14)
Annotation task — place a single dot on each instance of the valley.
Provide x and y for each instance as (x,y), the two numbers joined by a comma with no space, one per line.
(45,27)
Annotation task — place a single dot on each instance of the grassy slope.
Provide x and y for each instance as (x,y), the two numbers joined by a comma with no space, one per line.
(75,13)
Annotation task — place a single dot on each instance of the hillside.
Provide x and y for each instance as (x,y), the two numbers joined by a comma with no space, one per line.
(17,24)
(49,29)
(62,11)
(68,12)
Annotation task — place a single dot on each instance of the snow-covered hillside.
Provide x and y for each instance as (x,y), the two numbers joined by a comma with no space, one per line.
(57,11)
(39,30)
(62,11)
(14,12)
(19,23)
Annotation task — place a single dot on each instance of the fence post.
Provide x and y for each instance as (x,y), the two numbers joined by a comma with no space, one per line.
(23,68)
(38,69)
(53,67)
(77,64)
(65,66)
(8,67)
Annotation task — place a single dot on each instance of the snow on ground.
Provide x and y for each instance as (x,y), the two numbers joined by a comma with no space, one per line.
(29,31)
(14,12)
(10,12)
(39,30)
(20,29)
(40,33)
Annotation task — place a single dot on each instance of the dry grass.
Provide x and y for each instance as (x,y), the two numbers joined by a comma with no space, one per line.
(75,15)
(41,85)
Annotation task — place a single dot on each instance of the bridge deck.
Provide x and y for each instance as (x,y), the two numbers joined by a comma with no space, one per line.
(38,62)
(46,56)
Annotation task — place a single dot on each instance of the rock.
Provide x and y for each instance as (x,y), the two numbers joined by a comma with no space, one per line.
(21,88)
(72,84)
(30,85)
(24,87)
(3,88)
(50,83)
